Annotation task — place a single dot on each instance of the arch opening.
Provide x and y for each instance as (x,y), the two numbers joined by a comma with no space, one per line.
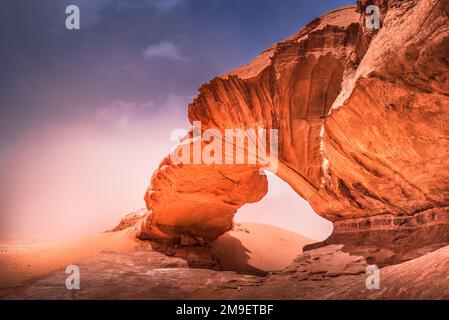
(269,234)
(283,208)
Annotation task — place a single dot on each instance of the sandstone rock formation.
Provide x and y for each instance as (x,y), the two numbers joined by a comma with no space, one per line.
(324,273)
(139,274)
(363,127)
(330,273)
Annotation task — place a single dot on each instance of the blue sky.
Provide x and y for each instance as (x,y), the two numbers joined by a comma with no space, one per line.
(139,51)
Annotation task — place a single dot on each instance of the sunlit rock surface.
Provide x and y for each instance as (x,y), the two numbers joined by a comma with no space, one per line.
(363,127)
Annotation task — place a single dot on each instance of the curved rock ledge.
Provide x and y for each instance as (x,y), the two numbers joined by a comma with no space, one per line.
(423,219)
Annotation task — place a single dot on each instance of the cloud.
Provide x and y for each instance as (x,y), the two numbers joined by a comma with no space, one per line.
(122,115)
(165,49)
(161,5)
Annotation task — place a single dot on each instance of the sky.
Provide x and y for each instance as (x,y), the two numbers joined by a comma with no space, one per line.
(86,115)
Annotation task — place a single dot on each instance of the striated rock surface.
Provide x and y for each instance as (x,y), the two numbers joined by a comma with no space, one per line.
(386,142)
(194,204)
(330,273)
(139,274)
(324,273)
(363,127)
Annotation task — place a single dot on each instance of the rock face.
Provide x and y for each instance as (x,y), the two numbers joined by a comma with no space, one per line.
(139,274)
(330,273)
(363,127)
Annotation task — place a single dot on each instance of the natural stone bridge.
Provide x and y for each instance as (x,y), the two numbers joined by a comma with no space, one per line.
(363,127)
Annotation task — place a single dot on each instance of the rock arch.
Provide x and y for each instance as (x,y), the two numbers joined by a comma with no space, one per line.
(353,109)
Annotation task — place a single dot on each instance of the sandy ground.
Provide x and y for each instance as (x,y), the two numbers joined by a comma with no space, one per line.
(250,247)
(253,246)
(20,261)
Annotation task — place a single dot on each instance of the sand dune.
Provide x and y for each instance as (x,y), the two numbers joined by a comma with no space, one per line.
(249,248)
(253,247)
(23,261)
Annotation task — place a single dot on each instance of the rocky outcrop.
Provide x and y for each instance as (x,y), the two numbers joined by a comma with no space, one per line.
(194,204)
(324,273)
(330,273)
(363,127)
(141,274)
(386,141)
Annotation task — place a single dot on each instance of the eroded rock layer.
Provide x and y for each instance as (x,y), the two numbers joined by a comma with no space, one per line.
(363,127)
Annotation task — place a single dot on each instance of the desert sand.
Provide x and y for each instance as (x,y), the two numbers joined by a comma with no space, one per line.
(249,248)
(253,246)
(21,261)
